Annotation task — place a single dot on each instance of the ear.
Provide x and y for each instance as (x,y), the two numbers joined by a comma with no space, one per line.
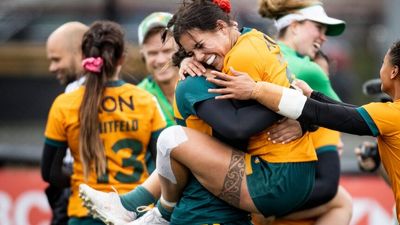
(293,27)
(395,72)
(221,25)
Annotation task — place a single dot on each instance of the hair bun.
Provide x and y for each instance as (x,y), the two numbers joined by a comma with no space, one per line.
(275,9)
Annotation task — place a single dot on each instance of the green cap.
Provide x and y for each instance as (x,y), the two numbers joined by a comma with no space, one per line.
(156,19)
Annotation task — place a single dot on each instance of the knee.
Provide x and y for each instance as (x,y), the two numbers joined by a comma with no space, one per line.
(170,138)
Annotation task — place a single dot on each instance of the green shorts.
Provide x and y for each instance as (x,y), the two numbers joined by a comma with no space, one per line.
(198,206)
(84,221)
(279,188)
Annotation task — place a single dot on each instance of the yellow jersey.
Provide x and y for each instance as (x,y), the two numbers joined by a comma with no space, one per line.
(128,117)
(259,56)
(382,119)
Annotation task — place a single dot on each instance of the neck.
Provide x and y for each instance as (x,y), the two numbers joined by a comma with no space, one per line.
(116,74)
(234,36)
(396,93)
(287,41)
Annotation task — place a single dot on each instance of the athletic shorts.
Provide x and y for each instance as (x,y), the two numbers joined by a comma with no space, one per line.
(84,221)
(279,188)
(198,206)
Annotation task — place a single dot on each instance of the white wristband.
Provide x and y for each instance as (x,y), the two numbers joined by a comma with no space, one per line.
(292,103)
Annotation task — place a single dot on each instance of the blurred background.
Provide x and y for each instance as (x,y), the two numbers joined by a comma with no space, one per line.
(27,89)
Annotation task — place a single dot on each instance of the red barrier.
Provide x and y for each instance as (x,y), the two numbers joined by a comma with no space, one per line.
(22,200)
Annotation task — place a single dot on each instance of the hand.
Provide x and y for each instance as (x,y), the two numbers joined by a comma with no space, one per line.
(303,87)
(284,131)
(366,156)
(192,67)
(238,86)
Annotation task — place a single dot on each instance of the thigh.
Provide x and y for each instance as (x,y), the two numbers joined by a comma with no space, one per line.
(218,167)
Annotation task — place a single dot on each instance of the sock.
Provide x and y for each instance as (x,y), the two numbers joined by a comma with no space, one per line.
(139,196)
(165,213)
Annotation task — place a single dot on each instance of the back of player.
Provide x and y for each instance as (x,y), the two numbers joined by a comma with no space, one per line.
(122,117)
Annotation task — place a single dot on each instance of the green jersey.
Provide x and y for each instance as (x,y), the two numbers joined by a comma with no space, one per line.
(151,86)
(308,71)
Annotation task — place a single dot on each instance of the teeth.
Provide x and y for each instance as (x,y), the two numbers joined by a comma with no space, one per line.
(211,60)
(317,45)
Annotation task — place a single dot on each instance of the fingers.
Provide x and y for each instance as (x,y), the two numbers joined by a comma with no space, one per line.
(227,96)
(198,67)
(222,76)
(237,73)
(218,82)
(191,67)
(221,91)
(283,138)
(191,72)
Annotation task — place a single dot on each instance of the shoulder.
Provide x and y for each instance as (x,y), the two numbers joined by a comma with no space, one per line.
(67,99)
(75,85)
(256,41)
(191,91)
(137,91)
(193,85)
(253,48)
(145,82)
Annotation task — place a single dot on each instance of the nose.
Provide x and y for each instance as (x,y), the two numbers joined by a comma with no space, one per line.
(323,36)
(161,58)
(52,67)
(198,55)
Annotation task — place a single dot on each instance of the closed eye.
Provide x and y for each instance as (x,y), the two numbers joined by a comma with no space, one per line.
(198,45)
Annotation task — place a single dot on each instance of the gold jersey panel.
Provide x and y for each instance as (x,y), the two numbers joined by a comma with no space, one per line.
(128,115)
(325,137)
(385,117)
(259,56)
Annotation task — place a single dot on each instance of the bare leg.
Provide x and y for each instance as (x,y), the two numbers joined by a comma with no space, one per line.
(216,166)
(338,211)
(152,185)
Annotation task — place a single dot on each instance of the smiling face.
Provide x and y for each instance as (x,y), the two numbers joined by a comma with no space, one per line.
(158,55)
(308,37)
(65,62)
(208,47)
(387,72)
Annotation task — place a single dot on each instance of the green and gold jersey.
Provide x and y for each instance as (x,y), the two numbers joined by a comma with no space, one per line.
(325,140)
(197,205)
(259,56)
(128,117)
(382,120)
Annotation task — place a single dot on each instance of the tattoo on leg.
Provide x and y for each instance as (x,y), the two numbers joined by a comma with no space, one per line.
(233,180)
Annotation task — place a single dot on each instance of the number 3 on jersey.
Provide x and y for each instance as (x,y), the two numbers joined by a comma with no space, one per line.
(138,166)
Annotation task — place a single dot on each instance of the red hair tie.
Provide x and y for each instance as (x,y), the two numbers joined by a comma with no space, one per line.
(225,5)
(93,64)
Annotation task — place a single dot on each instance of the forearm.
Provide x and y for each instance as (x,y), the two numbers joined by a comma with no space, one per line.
(318,96)
(293,104)
(236,122)
(52,166)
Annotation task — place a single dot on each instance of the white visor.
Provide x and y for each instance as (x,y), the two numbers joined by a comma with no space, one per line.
(314,13)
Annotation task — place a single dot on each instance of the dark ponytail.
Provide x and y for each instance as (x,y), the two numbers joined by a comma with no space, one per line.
(104,41)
